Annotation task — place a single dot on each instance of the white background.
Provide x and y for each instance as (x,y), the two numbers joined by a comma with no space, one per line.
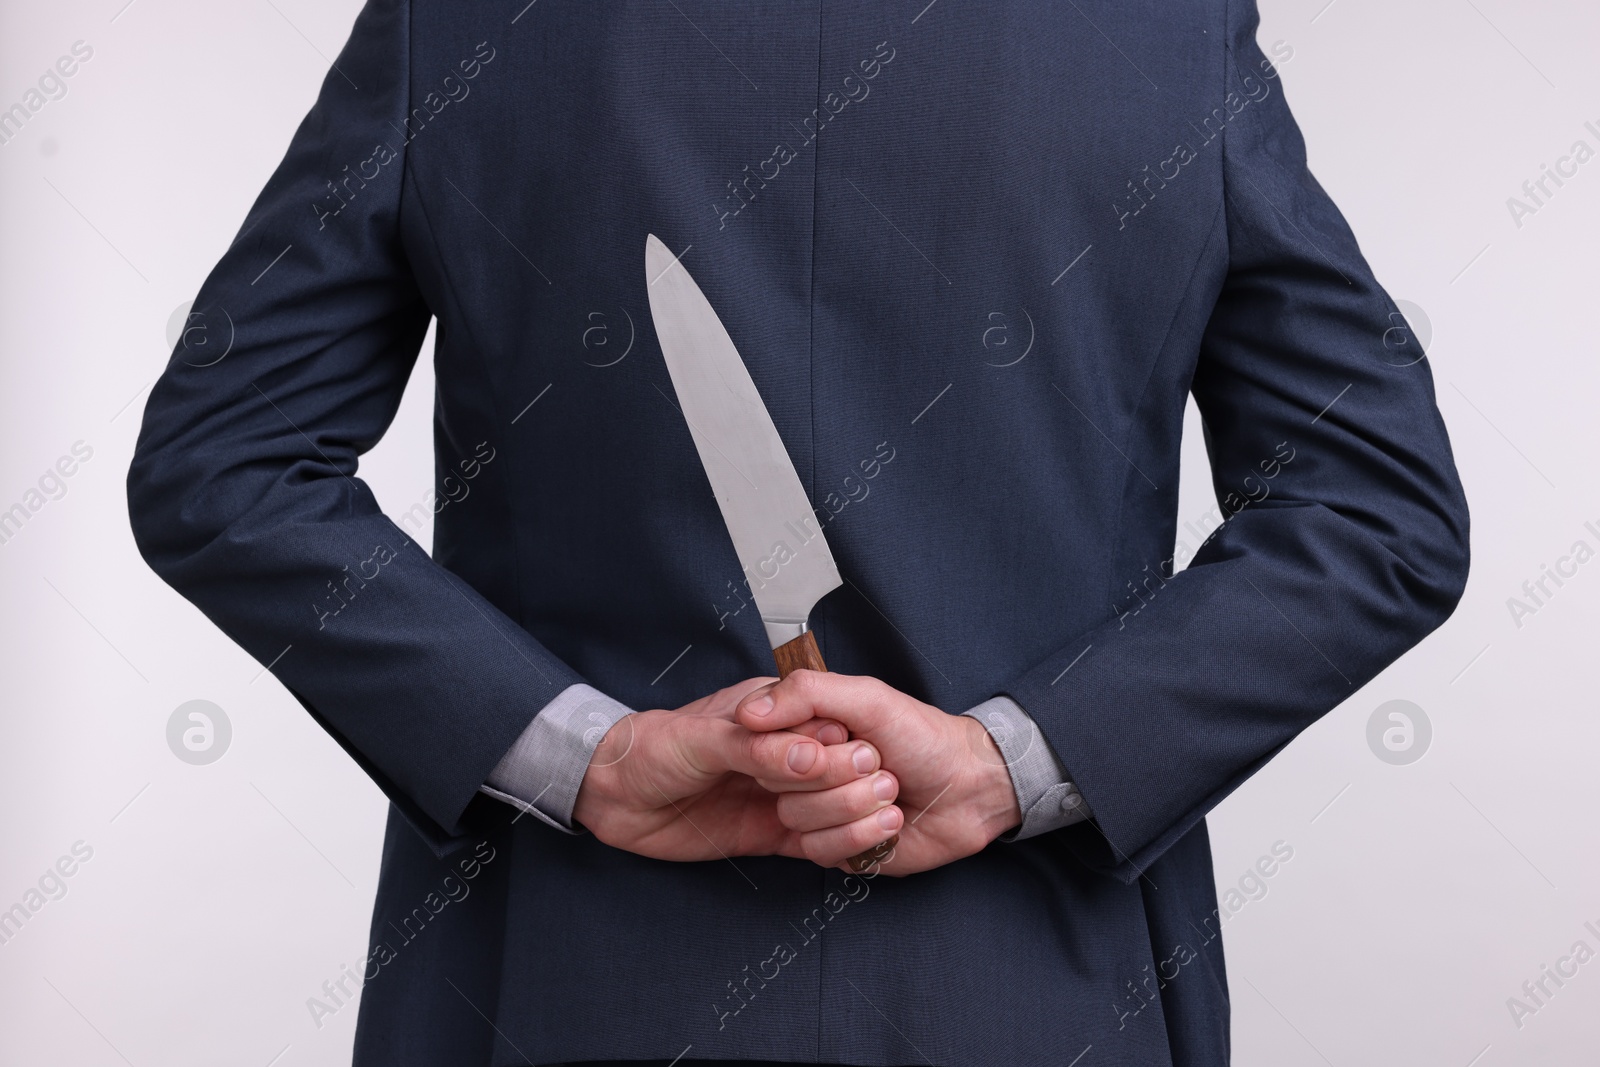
(219,898)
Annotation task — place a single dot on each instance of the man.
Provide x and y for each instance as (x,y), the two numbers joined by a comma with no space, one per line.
(976,257)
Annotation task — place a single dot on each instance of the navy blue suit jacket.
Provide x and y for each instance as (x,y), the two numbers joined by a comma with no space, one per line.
(998,243)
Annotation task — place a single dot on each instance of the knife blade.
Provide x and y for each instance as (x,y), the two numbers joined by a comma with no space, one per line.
(785,557)
(781,548)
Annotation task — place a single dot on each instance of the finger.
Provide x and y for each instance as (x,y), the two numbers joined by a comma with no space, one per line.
(755,711)
(843,764)
(860,703)
(724,702)
(780,757)
(821,809)
(828,731)
(831,847)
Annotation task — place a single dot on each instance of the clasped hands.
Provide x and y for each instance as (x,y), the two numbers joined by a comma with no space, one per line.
(817,766)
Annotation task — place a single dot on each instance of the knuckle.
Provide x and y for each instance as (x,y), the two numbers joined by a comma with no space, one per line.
(854,805)
(755,749)
(817,850)
(863,835)
(840,772)
(805,682)
(791,813)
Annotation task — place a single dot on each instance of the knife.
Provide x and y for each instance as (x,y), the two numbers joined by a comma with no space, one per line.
(786,560)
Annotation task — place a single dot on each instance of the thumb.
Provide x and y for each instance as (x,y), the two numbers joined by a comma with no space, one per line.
(758,712)
(863,705)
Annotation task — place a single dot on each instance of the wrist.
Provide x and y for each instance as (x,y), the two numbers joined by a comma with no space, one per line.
(600,778)
(993,795)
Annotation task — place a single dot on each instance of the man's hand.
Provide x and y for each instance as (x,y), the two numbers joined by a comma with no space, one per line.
(955,790)
(691,784)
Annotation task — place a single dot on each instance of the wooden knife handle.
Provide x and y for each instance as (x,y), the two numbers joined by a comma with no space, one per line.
(802,653)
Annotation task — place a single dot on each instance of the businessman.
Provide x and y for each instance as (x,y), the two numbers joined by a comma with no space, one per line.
(976,257)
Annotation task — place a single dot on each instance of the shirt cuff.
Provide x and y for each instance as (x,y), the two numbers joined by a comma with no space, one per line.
(1048,798)
(544,769)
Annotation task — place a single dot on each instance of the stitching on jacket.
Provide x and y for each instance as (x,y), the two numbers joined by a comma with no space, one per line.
(811,374)
(811,332)
(1161,355)
(1117,535)
(494,394)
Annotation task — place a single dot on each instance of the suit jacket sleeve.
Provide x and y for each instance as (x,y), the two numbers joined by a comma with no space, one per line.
(242,491)
(1303,595)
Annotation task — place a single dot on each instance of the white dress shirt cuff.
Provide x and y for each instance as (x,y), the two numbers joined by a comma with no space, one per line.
(1048,798)
(544,769)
